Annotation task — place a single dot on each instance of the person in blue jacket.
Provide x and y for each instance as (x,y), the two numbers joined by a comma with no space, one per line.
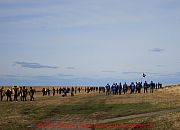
(152,86)
(145,87)
(113,88)
(132,87)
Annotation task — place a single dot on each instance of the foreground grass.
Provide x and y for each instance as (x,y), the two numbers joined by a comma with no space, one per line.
(168,121)
(87,108)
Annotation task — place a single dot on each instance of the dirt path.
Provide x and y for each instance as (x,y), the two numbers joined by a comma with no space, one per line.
(139,115)
(112,120)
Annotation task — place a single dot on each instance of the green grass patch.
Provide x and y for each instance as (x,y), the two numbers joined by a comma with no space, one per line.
(111,110)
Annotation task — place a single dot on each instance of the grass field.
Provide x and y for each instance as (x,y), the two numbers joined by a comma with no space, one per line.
(91,108)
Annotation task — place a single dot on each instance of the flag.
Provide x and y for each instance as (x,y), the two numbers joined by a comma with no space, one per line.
(144,75)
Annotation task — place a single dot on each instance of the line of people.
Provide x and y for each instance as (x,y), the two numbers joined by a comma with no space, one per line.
(115,89)
(62,91)
(16,92)
(118,89)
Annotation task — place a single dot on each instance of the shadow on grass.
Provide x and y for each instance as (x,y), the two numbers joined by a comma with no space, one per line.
(112,110)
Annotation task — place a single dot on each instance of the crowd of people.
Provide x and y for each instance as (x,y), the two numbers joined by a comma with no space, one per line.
(16,92)
(114,89)
(62,91)
(118,89)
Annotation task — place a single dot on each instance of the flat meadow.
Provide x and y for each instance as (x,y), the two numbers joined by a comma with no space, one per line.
(92,108)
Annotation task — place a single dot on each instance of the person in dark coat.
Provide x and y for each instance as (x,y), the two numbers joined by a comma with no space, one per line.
(72,91)
(113,88)
(152,86)
(57,90)
(60,90)
(2,92)
(15,93)
(48,91)
(25,92)
(21,93)
(31,93)
(132,87)
(139,86)
(120,88)
(54,91)
(8,94)
(145,87)
(125,88)
(43,91)
(64,92)
(108,88)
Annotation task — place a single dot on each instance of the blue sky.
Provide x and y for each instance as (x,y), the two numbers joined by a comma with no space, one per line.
(89,42)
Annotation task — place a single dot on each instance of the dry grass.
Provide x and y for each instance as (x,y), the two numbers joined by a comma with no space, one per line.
(167,121)
(94,106)
(167,97)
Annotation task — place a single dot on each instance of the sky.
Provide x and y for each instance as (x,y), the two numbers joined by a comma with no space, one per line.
(89,42)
